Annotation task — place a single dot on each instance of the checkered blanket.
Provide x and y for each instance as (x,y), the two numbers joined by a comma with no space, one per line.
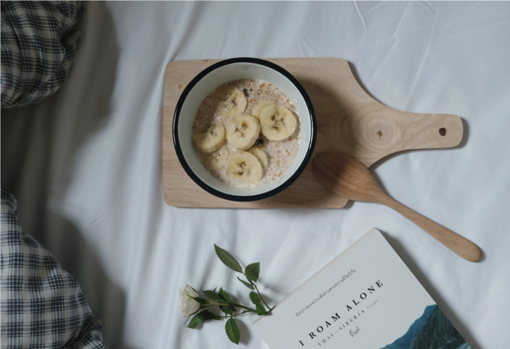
(42,306)
(39,41)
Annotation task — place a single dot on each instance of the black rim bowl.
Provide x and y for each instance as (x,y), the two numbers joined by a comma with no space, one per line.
(244,198)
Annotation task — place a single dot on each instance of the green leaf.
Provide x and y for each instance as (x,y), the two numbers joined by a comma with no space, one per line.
(252,272)
(226,298)
(212,295)
(254,297)
(250,286)
(202,301)
(224,295)
(260,309)
(226,309)
(232,331)
(227,259)
(201,317)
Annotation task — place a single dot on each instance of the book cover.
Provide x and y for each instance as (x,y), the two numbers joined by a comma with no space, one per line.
(366,298)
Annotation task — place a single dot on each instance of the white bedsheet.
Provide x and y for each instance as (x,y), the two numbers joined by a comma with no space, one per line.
(85,165)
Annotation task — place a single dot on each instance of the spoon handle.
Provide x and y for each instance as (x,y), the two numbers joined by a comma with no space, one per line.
(458,244)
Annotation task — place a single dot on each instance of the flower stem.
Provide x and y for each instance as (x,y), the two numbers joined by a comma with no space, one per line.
(235,304)
(235,315)
(242,306)
(260,295)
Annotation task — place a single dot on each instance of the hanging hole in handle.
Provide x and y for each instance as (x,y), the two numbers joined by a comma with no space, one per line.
(442,131)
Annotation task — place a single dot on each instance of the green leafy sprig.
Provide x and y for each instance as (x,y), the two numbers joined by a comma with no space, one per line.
(223,300)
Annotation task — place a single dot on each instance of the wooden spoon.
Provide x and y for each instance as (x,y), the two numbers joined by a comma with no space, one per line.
(346,176)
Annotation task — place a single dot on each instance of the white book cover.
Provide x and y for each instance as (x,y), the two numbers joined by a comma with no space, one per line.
(366,298)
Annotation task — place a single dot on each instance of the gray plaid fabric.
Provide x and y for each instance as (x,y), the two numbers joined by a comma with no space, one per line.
(42,306)
(39,40)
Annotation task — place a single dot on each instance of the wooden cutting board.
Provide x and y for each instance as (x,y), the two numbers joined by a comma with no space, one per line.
(348,120)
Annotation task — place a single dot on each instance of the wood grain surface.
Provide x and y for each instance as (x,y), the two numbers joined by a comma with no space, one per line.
(349,120)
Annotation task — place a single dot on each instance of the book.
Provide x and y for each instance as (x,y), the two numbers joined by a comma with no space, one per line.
(366,298)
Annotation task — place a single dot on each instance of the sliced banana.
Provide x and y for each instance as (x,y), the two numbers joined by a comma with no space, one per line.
(277,122)
(242,131)
(244,166)
(261,155)
(257,110)
(218,159)
(229,101)
(210,140)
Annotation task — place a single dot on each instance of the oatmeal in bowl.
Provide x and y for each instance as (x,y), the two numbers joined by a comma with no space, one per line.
(246,133)
(244,129)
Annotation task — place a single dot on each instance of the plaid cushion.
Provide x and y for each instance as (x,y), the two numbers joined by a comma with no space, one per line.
(42,306)
(39,40)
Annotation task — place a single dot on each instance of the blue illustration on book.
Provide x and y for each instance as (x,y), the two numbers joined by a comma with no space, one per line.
(431,330)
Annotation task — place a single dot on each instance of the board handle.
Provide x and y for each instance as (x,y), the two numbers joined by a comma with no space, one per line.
(429,131)
(371,131)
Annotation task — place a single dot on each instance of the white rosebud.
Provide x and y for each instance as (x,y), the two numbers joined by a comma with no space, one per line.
(189,306)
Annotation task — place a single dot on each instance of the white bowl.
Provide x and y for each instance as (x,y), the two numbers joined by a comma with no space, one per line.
(203,84)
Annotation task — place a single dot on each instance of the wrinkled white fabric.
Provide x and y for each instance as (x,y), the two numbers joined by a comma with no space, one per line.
(85,165)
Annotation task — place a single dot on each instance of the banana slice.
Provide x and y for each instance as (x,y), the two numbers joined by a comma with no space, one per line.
(218,159)
(246,167)
(261,155)
(229,101)
(242,131)
(277,122)
(257,110)
(210,140)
